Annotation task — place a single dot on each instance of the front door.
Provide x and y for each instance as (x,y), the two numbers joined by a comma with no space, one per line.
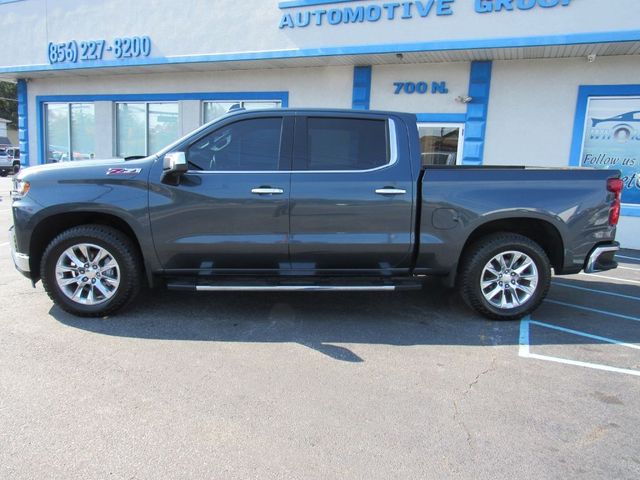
(230,212)
(351,197)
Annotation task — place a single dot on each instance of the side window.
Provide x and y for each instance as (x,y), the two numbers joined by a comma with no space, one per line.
(346,143)
(247,145)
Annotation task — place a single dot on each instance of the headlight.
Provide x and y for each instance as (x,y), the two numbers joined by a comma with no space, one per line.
(20,188)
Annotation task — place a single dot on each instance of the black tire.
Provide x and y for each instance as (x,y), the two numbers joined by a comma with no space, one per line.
(3,173)
(478,257)
(121,249)
(16,168)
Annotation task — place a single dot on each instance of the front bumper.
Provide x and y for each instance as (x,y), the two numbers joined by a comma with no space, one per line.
(602,258)
(20,260)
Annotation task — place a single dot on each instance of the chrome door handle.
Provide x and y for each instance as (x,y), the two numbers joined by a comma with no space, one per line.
(267,191)
(390,191)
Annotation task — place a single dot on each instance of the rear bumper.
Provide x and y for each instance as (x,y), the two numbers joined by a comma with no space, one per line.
(20,260)
(602,258)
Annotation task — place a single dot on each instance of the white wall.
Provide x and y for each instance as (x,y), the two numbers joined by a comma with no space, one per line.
(329,87)
(533,104)
(455,74)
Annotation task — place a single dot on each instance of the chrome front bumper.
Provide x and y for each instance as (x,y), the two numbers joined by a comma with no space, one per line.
(602,258)
(20,260)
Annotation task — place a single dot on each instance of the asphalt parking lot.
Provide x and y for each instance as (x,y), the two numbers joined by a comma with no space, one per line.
(301,385)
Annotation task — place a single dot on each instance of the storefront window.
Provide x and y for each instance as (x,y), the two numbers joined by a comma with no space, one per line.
(144,128)
(70,131)
(440,144)
(163,125)
(213,110)
(612,140)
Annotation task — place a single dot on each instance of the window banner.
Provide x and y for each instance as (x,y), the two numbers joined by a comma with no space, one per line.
(612,140)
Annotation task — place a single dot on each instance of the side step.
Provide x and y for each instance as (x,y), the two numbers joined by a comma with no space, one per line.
(289,286)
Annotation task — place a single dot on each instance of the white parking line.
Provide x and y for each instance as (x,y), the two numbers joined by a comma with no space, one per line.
(603,292)
(525,350)
(594,310)
(610,278)
(629,268)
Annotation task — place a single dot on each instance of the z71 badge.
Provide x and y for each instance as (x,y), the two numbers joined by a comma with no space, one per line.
(124,171)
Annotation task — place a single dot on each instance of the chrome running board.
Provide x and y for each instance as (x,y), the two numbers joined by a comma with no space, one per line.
(293,288)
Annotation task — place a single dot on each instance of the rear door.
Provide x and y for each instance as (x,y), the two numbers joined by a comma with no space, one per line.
(351,196)
(230,212)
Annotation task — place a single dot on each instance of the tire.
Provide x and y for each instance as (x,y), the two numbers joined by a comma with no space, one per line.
(16,168)
(3,173)
(524,287)
(94,291)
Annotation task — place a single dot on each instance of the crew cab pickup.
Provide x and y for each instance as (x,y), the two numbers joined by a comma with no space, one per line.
(308,200)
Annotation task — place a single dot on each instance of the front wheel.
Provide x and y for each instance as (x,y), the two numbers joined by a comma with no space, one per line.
(505,276)
(91,270)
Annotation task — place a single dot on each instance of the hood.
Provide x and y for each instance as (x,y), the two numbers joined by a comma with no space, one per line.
(87,168)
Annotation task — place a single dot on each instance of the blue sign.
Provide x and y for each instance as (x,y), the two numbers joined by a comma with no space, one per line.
(74,51)
(391,11)
(612,141)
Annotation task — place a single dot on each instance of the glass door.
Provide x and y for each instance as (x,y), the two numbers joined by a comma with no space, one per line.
(441,143)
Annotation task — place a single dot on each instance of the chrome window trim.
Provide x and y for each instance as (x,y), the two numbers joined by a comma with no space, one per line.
(393,159)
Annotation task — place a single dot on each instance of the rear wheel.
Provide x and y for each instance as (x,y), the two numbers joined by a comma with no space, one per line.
(505,276)
(91,270)
(16,168)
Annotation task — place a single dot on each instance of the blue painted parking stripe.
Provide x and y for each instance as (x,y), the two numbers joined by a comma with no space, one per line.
(594,310)
(603,292)
(628,258)
(524,336)
(584,334)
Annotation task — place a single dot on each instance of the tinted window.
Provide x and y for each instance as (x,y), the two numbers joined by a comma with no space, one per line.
(346,144)
(245,145)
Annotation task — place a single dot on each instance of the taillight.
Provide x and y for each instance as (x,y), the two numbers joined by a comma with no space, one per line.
(615,186)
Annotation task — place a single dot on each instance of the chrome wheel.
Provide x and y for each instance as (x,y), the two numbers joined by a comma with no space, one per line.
(509,280)
(87,274)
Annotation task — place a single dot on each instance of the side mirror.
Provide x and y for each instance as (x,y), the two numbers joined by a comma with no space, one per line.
(173,166)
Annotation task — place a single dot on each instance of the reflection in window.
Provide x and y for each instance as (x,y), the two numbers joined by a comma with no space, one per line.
(439,144)
(163,125)
(69,131)
(145,128)
(213,110)
(247,145)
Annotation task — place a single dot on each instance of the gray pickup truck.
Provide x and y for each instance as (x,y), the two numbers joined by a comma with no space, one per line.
(308,200)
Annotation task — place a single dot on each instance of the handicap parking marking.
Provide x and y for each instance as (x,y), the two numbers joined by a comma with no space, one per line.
(525,347)
(594,290)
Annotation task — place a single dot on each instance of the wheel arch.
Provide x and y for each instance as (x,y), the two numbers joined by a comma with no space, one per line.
(541,231)
(50,227)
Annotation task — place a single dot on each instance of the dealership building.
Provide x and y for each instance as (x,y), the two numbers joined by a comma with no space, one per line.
(541,83)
